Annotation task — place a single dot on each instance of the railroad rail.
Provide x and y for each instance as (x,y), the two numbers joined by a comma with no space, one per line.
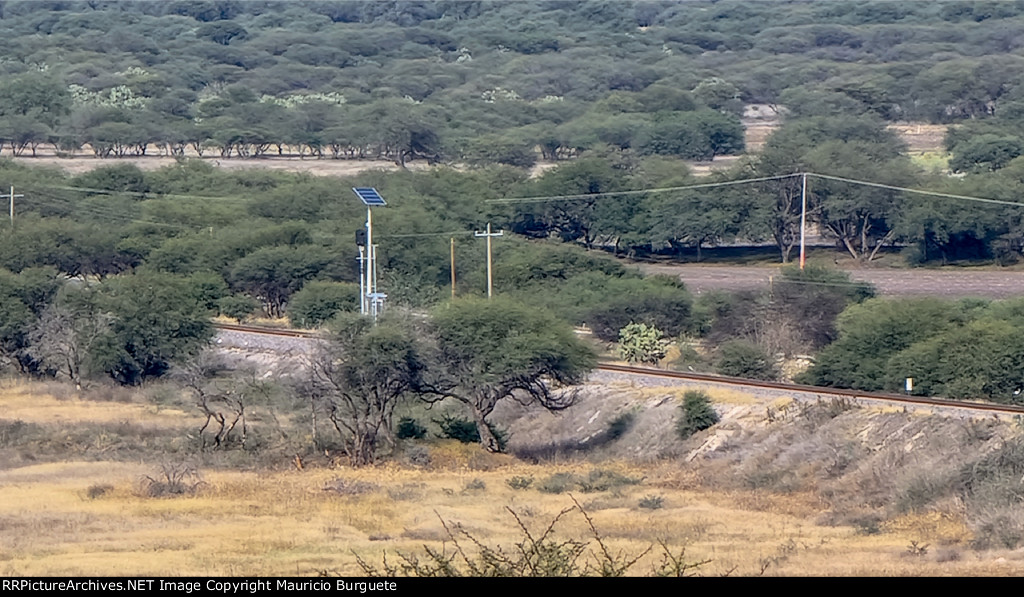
(834,392)
(717,379)
(267,331)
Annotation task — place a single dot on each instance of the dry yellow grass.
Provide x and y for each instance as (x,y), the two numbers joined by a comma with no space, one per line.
(245,523)
(93,518)
(23,402)
(716,392)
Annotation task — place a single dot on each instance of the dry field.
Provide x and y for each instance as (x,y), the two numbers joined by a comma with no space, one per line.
(920,139)
(324,167)
(92,512)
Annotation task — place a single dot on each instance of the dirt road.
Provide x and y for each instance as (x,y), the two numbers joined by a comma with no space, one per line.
(318,167)
(951,283)
(919,137)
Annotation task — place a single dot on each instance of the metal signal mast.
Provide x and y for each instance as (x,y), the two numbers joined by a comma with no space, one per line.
(371,302)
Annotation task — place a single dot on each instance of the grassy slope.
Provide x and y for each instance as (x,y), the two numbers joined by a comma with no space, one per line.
(89,514)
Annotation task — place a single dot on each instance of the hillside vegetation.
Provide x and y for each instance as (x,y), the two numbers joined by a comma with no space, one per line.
(110,278)
(486,81)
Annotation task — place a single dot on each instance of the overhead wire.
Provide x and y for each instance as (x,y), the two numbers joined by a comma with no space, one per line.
(584,196)
(98,211)
(916,191)
(142,194)
(418,234)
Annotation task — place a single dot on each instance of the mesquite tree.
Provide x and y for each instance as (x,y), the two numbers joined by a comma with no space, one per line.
(358,376)
(493,350)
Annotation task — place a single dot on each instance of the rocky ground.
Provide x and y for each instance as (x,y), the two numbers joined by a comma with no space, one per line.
(950,283)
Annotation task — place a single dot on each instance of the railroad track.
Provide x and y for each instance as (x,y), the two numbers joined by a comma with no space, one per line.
(266,331)
(717,379)
(822,391)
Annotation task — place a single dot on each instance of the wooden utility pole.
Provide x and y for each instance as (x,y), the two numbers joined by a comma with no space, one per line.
(803,219)
(489,235)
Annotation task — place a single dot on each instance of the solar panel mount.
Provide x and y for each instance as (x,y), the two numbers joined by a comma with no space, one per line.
(369,196)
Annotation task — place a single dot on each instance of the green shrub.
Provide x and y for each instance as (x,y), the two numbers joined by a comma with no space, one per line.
(657,301)
(519,482)
(620,425)
(237,306)
(695,413)
(474,485)
(596,480)
(458,428)
(465,431)
(688,360)
(652,502)
(409,428)
(740,358)
(603,480)
(98,490)
(874,332)
(319,302)
(914,255)
(557,483)
(641,343)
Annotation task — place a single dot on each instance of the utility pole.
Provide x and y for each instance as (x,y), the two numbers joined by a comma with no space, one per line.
(803,219)
(489,235)
(453,266)
(11,195)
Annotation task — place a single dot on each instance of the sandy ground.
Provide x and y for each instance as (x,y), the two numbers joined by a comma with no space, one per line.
(320,167)
(951,283)
(919,137)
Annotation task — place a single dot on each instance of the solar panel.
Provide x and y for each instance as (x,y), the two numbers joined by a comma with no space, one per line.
(369,195)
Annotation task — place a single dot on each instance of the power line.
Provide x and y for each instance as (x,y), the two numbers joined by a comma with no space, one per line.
(584,196)
(107,211)
(419,234)
(146,194)
(101,212)
(917,191)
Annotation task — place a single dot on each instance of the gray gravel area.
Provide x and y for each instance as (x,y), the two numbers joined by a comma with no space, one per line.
(950,282)
(603,378)
(280,355)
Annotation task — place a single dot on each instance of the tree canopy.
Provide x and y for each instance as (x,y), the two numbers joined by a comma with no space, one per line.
(494,350)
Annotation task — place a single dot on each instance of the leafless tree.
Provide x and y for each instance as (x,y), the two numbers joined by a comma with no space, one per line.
(223,401)
(64,336)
